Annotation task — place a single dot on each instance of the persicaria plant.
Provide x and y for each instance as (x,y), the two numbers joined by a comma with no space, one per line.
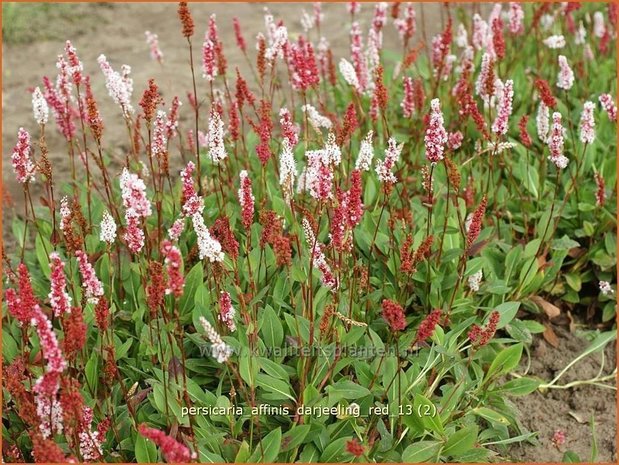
(384,225)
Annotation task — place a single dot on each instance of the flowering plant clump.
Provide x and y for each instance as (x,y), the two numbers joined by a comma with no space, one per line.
(376,230)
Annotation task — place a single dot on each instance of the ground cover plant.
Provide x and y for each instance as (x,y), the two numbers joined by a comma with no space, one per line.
(312,257)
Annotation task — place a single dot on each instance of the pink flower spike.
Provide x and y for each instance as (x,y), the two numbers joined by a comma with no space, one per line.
(358,57)
(516,17)
(49,343)
(90,441)
(318,258)
(393,314)
(428,325)
(587,123)
(63,113)
(208,246)
(290,130)
(49,409)
(58,296)
(505,108)
(226,311)
(380,16)
(174,267)
(134,195)
(408,101)
(303,62)
(192,202)
(348,213)
(153,42)
(565,79)
(15,307)
(209,65)
(177,229)
(454,140)
(159,145)
(119,85)
(480,32)
(75,68)
(134,236)
(608,104)
(22,164)
(246,199)
(353,7)
(406,26)
(556,142)
(172,122)
(240,40)
(216,148)
(436,136)
(40,109)
(172,450)
(392,155)
(92,286)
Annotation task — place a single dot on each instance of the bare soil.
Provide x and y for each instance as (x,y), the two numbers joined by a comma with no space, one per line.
(117,30)
(568,410)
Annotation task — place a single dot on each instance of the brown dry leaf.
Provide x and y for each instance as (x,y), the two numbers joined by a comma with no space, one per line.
(477,247)
(549,309)
(575,252)
(550,337)
(541,262)
(572,323)
(578,417)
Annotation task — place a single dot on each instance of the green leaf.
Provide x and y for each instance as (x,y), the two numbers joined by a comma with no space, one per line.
(461,441)
(508,311)
(505,361)
(192,282)
(279,388)
(528,273)
(92,372)
(9,346)
(490,415)
(268,449)
(543,226)
(531,248)
(427,411)
(248,368)
(531,181)
(599,343)
(295,436)
(42,255)
(422,451)
(243,454)
(122,350)
(309,454)
(533,326)
(346,389)
(571,457)
(271,329)
(334,451)
(519,331)
(573,280)
(564,243)
(520,386)
(145,450)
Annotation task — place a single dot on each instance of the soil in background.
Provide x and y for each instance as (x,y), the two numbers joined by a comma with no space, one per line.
(568,410)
